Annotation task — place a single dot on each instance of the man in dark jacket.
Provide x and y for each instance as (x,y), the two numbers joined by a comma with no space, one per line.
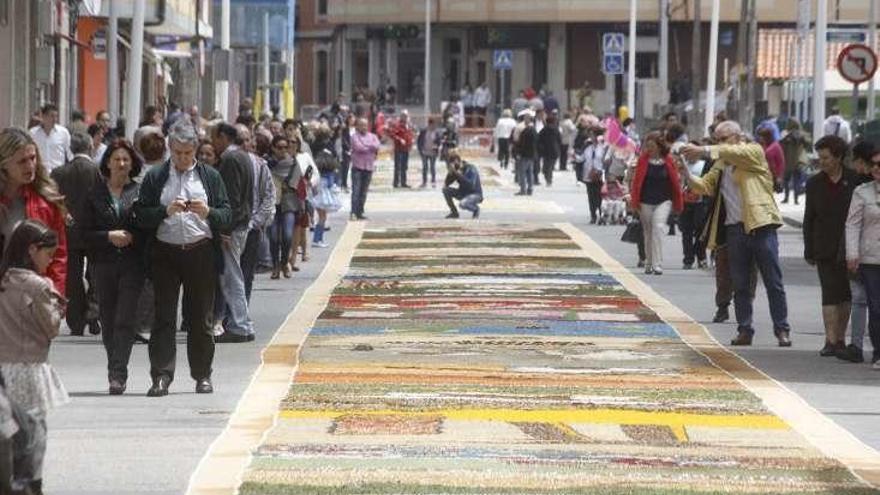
(550,147)
(527,153)
(469,191)
(185,206)
(75,181)
(238,176)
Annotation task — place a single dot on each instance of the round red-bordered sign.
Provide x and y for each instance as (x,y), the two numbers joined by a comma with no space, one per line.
(857,63)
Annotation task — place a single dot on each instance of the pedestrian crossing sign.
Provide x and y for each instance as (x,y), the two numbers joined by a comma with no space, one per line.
(612,63)
(612,43)
(502,60)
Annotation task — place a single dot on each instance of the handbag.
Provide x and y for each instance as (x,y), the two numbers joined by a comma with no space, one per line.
(327,199)
(633,232)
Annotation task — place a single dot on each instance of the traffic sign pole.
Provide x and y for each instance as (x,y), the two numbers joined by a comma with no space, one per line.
(855,98)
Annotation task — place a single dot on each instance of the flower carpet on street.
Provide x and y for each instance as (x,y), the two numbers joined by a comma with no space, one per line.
(482,358)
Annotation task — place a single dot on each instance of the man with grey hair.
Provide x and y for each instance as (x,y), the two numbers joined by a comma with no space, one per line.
(745,218)
(237,172)
(75,180)
(184,206)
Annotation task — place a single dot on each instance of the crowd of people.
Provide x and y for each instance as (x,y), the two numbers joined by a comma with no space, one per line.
(112,235)
(720,193)
(95,228)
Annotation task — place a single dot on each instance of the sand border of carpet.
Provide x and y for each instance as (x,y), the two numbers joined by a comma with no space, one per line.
(221,469)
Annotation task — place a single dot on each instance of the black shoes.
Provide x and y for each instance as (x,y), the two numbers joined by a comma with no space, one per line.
(830,349)
(783,337)
(232,338)
(117,387)
(743,338)
(452,215)
(721,315)
(159,388)
(476,212)
(95,327)
(203,386)
(850,353)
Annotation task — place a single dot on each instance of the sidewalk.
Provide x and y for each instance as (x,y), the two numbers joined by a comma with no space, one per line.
(792,214)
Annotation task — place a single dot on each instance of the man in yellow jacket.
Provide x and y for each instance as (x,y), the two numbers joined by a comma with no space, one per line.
(747,216)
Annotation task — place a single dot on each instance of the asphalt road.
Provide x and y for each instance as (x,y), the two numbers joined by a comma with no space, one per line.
(137,445)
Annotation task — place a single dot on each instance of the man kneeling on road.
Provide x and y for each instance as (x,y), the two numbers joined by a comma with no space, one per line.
(469,191)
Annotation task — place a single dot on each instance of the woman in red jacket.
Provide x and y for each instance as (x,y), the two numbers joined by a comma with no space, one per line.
(27,192)
(656,188)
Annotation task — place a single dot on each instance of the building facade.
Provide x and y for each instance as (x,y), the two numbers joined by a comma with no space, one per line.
(556,45)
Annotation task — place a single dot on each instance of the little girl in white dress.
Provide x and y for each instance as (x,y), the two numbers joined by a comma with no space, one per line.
(30,316)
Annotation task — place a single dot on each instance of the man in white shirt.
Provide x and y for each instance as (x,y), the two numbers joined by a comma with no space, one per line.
(482,99)
(52,140)
(835,125)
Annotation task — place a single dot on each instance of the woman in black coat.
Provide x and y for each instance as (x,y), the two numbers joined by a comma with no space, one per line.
(115,249)
(828,196)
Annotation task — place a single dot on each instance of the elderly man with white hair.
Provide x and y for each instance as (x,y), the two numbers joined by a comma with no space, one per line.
(746,218)
(183,203)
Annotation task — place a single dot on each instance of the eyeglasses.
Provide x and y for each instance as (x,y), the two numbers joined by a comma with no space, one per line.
(875,163)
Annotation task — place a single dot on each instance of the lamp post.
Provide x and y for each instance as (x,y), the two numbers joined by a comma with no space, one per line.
(819,68)
(427,102)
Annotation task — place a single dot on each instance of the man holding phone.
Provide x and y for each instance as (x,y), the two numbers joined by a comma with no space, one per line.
(184,203)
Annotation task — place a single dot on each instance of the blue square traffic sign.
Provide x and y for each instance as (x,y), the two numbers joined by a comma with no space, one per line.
(502,60)
(612,43)
(612,63)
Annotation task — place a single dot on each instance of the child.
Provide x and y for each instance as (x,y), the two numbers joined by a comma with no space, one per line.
(324,198)
(30,315)
(613,203)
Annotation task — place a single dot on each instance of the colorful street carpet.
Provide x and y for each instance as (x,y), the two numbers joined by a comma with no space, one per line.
(480,358)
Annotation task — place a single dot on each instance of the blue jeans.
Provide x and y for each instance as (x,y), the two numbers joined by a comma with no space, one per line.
(858,313)
(870,275)
(235,313)
(761,247)
(281,237)
(401,164)
(429,163)
(360,184)
(525,174)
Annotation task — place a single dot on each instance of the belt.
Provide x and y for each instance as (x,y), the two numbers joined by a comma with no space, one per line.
(187,247)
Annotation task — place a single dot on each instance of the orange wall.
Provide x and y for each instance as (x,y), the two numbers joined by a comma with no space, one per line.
(92,73)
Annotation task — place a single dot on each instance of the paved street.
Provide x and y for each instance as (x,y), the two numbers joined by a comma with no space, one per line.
(132,444)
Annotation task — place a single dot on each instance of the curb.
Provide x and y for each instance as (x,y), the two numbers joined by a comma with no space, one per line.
(793,222)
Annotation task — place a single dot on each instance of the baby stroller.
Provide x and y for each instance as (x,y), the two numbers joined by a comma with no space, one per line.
(613,211)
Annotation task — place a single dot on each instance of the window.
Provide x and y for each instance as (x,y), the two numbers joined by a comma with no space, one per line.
(322,7)
(322,72)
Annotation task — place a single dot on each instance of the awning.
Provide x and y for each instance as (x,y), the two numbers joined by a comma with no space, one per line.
(778,54)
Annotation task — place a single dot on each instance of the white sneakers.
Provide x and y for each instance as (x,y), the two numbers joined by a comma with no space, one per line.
(320,244)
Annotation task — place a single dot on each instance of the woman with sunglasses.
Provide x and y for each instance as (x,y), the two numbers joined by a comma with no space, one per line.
(863,248)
